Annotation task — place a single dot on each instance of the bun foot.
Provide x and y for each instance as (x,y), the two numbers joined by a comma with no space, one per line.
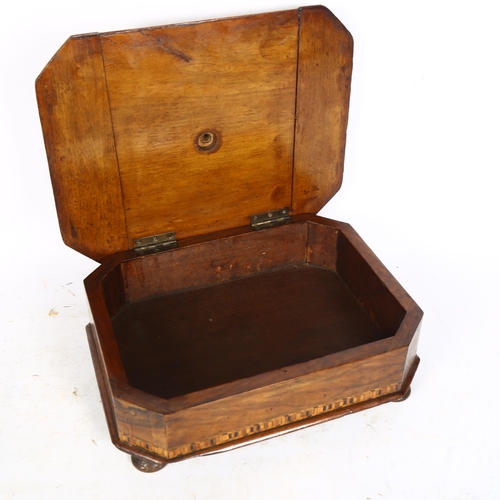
(404,397)
(145,465)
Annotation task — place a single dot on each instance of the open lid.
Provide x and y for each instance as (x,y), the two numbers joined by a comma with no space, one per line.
(192,128)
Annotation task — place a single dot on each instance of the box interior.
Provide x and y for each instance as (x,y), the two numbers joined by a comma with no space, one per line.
(223,310)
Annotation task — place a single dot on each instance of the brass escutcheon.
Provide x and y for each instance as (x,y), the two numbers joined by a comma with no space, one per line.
(207,141)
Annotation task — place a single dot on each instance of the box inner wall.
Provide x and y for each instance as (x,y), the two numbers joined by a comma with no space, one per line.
(282,312)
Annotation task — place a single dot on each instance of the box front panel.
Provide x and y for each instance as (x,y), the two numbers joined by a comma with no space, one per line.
(254,412)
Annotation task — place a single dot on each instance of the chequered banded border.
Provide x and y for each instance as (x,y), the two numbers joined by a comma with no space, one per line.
(259,427)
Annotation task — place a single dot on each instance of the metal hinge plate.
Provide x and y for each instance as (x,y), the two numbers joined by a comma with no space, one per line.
(155,243)
(270,219)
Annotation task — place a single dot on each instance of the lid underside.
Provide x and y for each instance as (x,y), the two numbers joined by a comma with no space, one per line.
(192,128)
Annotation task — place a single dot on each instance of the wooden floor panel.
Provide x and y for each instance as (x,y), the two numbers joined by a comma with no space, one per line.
(184,342)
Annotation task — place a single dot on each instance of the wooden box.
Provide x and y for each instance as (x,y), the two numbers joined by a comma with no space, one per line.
(190,160)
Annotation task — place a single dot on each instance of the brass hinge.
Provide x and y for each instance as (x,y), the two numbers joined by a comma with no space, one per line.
(270,219)
(155,243)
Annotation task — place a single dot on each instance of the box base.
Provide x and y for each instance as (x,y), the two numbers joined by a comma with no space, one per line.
(237,337)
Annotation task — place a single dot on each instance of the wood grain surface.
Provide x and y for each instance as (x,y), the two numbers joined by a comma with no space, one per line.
(78,132)
(167,85)
(323,89)
(193,128)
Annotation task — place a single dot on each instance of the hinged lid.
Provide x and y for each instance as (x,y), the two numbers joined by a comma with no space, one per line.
(192,128)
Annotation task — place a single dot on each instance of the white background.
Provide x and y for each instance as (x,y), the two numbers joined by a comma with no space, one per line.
(421,187)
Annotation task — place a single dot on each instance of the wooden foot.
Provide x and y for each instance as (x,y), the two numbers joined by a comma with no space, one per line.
(404,397)
(145,465)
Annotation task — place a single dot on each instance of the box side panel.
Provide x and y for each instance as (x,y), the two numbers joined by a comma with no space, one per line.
(114,290)
(141,428)
(374,286)
(358,273)
(105,293)
(215,261)
(76,123)
(411,355)
(322,246)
